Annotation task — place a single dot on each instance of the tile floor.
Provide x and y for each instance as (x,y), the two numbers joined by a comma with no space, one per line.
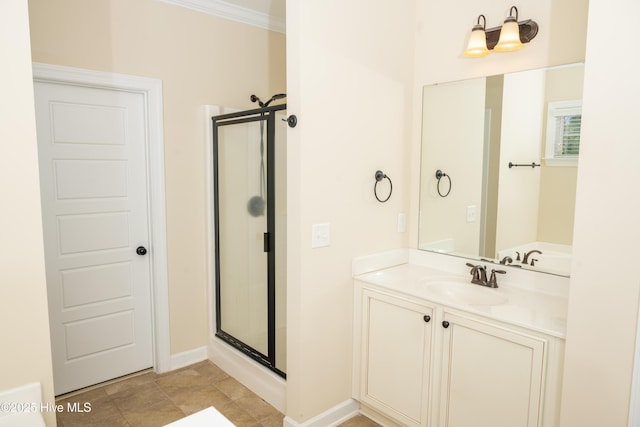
(153,400)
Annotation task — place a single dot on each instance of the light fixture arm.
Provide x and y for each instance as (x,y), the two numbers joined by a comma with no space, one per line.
(484,21)
(511,12)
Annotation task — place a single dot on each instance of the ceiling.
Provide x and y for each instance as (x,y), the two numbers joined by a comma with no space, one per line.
(267,14)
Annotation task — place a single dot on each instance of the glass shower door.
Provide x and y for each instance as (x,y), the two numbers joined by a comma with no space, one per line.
(245,225)
(243,268)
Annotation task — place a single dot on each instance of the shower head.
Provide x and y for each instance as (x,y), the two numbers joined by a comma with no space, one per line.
(266,104)
(274,97)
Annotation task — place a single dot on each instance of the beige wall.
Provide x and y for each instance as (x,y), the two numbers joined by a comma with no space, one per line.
(558,183)
(349,73)
(520,139)
(495,92)
(605,281)
(201,60)
(24,330)
(444,140)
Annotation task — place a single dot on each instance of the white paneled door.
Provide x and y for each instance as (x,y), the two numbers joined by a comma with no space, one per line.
(93,173)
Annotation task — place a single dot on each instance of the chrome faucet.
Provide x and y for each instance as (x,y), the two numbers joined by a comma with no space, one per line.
(479,276)
(525,260)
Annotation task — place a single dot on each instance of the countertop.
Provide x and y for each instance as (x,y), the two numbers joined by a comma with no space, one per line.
(538,311)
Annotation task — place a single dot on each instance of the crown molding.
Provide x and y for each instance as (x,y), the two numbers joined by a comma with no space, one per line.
(233,12)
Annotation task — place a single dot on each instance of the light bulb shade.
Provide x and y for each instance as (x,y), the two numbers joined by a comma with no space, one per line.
(477,45)
(509,36)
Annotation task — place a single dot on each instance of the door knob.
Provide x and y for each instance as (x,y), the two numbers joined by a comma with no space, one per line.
(141,250)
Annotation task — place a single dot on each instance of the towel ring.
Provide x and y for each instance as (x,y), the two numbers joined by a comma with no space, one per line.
(439,175)
(379,177)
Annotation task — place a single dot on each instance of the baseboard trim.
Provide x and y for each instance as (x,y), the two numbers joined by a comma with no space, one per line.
(28,409)
(329,418)
(260,380)
(378,417)
(189,357)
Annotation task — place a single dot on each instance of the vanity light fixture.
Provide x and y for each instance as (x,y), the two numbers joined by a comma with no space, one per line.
(477,46)
(509,33)
(510,36)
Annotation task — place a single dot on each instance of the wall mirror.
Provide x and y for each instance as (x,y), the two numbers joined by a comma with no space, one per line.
(499,167)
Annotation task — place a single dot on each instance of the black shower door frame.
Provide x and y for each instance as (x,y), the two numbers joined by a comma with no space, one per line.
(268,115)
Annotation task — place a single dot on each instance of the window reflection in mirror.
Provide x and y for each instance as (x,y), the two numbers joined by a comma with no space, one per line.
(472,130)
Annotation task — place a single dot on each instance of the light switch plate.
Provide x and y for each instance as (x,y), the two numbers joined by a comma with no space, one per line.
(402,223)
(471,213)
(320,235)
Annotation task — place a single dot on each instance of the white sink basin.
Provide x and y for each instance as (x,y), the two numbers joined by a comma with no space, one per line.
(464,292)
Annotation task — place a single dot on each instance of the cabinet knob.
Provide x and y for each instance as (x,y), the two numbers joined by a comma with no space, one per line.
(445,324)
(141,250)
(427,318)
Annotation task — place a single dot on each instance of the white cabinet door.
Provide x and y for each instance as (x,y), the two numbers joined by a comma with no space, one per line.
(395,351)
(491,376)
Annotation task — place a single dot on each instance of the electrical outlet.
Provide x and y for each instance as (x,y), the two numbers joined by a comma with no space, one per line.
(320,235)
(471,213)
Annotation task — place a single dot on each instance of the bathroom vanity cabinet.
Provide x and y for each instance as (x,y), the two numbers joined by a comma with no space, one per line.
(490,375)
(395,340)
(425,363)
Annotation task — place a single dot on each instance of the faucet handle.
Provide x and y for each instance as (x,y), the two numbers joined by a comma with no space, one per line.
(493,282)
(506,260)
(477,272)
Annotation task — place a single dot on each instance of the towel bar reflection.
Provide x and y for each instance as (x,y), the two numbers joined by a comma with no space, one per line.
(531,165)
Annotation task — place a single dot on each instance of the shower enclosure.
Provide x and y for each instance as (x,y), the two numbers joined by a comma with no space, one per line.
(249,153)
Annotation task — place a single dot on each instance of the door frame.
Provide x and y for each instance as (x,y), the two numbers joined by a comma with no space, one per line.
(151,90)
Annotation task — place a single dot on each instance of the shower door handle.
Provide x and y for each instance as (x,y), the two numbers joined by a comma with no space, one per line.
(267,242)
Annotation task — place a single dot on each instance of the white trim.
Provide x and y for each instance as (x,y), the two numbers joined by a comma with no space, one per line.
(263,382)
(189,357)
(329,418)
(558,109)
(151,89)
(28,393)
(233,12)
(561,161)
(378,261)
(208,112)
(634,404)
(28,409)
(260,380)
